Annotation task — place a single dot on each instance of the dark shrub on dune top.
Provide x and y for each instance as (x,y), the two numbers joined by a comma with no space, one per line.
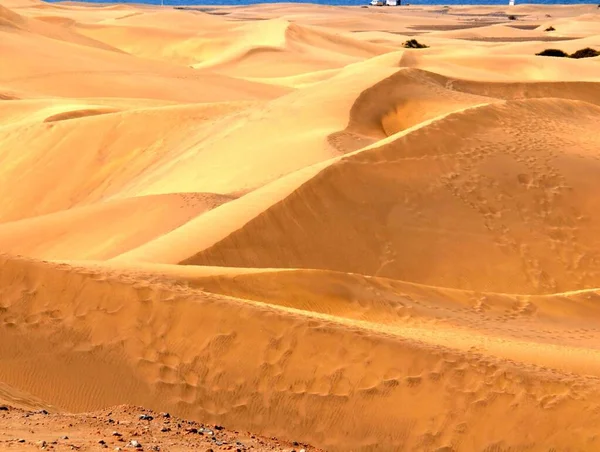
(414,44)
(585,53)
(581,53)
(553,53)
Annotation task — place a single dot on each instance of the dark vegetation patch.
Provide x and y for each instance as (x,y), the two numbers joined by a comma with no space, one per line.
(585,53)
(588,52)
(414,44)
(553,53)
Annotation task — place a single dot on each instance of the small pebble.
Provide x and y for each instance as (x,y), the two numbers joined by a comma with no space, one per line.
(145,417)
(165,429)
(116,434)
(3,408)
(165,415)
(102,442)
(64,437)
(21,440)
(135,443)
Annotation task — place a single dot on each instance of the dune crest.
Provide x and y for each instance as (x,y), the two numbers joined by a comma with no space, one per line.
(277,218)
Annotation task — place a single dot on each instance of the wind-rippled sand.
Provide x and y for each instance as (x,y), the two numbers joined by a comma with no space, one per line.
(278,219)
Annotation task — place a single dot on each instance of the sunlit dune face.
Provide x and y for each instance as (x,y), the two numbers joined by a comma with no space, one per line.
(345,228)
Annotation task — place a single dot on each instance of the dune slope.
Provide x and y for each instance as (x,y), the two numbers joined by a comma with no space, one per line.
(278,219)
(455,203)
(165,345)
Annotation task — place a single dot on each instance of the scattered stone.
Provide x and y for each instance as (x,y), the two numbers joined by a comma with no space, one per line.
(64,437)
(209,450)
(191,430)
(42,444)
(21,440)
(146,417)
(116,434)
(219,443)
(302,450)
(218,427)
(165,415)
(3,408)
(156,448)
(102,442)
(134,443)
(295,443)
(165,429)
(44,412)
(117,448)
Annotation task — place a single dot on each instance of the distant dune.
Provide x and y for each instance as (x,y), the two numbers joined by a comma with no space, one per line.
(278,219)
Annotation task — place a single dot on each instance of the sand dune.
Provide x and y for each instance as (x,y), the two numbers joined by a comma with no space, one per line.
(278,219)
(114,227)
(118,76)
(109,166)
(266,48)
(155,363)
(492,179)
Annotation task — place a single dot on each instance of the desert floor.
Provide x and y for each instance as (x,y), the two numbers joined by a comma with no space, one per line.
(278,219)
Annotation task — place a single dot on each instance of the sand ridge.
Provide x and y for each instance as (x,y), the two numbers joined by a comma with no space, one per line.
(278,219)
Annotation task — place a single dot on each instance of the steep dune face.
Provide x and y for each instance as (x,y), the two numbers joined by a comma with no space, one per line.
(500,201)
(401,101)
(278,219)
(412,96)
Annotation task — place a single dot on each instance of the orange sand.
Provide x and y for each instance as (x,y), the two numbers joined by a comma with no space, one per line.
(277,218)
